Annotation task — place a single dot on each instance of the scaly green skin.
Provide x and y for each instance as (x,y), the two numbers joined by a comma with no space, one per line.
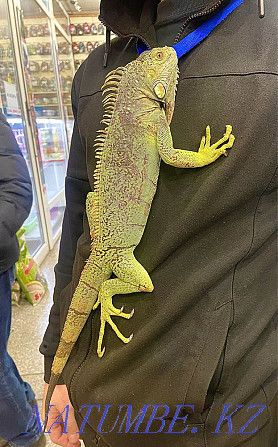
(139,104)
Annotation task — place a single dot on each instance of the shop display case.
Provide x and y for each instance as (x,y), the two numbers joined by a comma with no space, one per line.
(46,2)
(46,117)
(66,71)
(12,100)
(61,15)
(36,71)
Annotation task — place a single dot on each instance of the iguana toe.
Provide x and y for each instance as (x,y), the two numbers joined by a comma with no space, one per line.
(100,353)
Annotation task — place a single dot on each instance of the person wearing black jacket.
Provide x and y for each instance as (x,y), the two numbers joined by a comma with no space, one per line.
(16,395)
(209,245)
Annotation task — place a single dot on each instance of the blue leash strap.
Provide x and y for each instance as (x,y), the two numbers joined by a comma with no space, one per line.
(199,34)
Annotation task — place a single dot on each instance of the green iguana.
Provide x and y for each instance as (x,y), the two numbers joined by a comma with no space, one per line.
(138,107)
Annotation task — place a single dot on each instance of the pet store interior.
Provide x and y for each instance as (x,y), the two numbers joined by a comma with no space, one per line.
(42,44)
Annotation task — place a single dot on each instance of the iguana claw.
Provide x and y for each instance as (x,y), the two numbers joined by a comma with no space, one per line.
(101,353)
(210,153)
(108,310)
(96,304)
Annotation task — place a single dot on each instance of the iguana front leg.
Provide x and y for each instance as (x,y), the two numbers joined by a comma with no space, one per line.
(132,277)
(188,159)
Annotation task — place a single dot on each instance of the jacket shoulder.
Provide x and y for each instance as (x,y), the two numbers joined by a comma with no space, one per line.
(90,75)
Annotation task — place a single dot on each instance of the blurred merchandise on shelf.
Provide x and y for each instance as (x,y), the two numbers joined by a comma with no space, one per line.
(80,47)
(72,29)
(80,30)
(43,84)
(86,35)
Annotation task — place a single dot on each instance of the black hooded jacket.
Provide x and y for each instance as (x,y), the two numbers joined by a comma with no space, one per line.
(206,335)
(15,195)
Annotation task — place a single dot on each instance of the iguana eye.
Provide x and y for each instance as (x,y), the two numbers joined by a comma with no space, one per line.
(159,55)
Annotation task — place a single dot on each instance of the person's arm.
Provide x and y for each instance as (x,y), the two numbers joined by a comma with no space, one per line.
(15,183)
(76,189)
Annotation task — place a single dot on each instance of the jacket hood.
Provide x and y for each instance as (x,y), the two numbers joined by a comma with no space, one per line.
(129,18)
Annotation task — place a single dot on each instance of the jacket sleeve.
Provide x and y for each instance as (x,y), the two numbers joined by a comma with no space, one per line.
(15,182)
(76,189)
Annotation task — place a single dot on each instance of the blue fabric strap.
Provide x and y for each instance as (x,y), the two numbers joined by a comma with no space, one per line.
(199,34)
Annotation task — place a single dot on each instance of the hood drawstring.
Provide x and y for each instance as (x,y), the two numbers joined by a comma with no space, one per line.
(107,47)
(261,8)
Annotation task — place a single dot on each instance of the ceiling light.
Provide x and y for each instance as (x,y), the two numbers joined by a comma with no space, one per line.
(76,5)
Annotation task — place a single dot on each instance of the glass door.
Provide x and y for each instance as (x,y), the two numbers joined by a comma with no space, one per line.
(65,62)
(12,103)
(61,16)
(65,67)
(47,116)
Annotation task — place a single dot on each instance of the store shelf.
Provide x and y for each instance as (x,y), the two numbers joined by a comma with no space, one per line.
(85,38)
(60,196)
(88,37)
(39,39)
(44,93)
(43,57)
(46,105)
(48,120)
(51,160)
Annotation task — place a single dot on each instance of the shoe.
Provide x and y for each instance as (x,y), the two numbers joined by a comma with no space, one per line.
(33,402)
(41,442)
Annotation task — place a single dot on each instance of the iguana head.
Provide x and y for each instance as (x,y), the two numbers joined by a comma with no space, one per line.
(159,69)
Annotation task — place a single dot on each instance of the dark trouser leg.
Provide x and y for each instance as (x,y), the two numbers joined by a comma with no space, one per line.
(15,394)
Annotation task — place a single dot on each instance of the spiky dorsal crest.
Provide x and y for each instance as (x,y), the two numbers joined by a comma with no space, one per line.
(109,92)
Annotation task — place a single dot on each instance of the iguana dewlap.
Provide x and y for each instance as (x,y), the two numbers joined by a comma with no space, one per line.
(138,107)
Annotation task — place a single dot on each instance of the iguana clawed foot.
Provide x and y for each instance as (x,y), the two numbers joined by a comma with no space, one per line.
(210,153)
(131,278)
(108,310)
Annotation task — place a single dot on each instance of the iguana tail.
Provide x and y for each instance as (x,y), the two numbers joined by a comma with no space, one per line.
(93,275)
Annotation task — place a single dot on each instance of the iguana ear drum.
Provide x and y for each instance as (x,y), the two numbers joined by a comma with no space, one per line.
(159,90)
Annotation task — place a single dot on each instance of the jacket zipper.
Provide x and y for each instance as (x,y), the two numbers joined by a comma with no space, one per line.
(184,25)
(194,16)
(120,34)
(90,351)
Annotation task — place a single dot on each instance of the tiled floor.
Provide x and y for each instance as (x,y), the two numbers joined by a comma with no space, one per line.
(28,326)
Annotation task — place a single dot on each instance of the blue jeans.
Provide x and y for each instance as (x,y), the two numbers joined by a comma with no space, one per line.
(15,394)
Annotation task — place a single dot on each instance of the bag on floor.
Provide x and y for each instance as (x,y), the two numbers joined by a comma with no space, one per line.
(32,282)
